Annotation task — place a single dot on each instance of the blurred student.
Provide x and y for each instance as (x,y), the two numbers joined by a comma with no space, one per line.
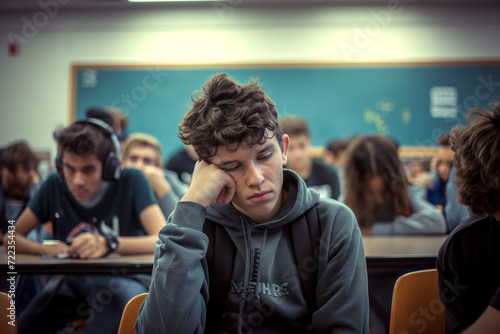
(182,162)
(335,152)
(114,117)
(243,277)
(469,261)
(143,152)
(317,175)
(440,172)
(335,156)
(18,181)
(96,209)
(454,211)
(377,191)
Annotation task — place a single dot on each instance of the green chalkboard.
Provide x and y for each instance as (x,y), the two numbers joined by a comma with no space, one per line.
(337,100)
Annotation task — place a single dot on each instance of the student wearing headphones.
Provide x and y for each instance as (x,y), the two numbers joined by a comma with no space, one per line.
(96,209)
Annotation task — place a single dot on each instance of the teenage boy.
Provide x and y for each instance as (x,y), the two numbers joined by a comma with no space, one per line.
(317,174)
(240,189)
(96,209)
(18,178)
(468,262)
(143,151)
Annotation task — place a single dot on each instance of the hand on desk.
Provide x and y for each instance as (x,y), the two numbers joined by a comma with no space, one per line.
(88,246)
(55,248)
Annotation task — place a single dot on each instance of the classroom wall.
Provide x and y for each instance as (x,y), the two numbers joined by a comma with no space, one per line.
(35,86)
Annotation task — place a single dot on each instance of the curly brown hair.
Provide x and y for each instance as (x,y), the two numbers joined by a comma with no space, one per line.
(368,157)
(477,160)
(18,153)
(228,114)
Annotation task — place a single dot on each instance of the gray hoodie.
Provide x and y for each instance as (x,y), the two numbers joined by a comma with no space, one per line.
(265,294)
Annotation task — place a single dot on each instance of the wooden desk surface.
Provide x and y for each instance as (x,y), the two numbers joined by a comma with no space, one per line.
(379,251)
(402,250)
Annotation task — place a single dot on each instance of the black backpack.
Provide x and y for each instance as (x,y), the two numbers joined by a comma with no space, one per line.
(305,233)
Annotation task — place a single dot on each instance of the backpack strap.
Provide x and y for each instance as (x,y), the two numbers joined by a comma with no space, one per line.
(219,271)
(305,234)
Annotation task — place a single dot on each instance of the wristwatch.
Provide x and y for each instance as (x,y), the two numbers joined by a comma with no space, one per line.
(112,243)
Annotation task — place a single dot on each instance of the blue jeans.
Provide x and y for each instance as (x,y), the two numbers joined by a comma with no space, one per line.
(106,299)
(98,298)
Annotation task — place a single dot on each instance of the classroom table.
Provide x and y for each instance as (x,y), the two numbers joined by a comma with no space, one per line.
(387,257)
(380,252)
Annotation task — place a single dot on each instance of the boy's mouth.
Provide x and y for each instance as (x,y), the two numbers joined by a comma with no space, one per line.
(262,196)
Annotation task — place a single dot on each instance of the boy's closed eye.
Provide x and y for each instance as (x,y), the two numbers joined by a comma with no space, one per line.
(231,168)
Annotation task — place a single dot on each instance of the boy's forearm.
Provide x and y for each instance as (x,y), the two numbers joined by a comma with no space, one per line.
(178,291)
(23,244)
(136,245)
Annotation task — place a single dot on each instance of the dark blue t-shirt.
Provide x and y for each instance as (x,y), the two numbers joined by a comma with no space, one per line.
(117,212)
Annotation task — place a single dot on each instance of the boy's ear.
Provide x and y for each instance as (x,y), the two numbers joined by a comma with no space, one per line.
(284,151)
(5,172)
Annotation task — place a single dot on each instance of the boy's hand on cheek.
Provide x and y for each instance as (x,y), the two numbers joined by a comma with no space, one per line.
(210,183)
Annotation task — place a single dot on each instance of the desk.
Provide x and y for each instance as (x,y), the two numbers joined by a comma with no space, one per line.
(391,251)
(111,264)
(388,258)
(380,252)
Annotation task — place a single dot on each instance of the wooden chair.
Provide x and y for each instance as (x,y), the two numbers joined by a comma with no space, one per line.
(129,315)
(5,313)
(416,306)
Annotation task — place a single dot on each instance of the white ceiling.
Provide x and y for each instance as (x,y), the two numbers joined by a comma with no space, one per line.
(23,5)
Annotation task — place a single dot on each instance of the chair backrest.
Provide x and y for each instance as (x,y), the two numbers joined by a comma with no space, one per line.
(129,315)
(8,319)
(416,306)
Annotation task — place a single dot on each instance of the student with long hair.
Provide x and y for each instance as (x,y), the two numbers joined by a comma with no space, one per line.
(378,192)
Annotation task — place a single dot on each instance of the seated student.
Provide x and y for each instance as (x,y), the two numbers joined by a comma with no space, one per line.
(143,152)
(335,156)
(335,152)
(182,162)
(241,193)
(440,172)
(454,211)
(377,191)
(317,175)
(18,181)
(468,263)
(95,209)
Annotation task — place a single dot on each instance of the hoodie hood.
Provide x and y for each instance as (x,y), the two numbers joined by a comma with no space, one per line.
(298,201)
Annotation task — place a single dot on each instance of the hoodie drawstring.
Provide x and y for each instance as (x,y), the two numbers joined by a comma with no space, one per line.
(248,256)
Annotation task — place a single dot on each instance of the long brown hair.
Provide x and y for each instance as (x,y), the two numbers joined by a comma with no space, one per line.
(368,157)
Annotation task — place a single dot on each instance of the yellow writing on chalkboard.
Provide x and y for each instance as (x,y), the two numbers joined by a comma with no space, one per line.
(371,116)
(380,114)
(385,107)
(406,116)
